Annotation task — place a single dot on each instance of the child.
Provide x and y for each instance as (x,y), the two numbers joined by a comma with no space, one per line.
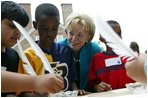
(10,34)
(47,23)
(107,70)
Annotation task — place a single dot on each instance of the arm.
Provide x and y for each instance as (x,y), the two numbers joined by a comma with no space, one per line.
(11,82)
(92,78)
(94,83)
(135,69)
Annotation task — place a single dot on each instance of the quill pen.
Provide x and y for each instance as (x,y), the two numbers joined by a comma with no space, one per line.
(39,52)
(36,48)
(27,66)
(113,40)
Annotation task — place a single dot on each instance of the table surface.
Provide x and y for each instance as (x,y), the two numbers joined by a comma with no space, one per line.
(117,92)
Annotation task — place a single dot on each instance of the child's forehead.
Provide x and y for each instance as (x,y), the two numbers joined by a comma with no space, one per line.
(45,18)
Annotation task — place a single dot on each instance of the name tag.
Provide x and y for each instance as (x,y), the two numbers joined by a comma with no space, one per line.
(3,68)
(113,61)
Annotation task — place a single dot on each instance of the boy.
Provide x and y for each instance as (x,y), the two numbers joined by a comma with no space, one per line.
(47,23)
(9,36)
(107,70)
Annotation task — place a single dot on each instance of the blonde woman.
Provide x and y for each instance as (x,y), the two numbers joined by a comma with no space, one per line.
(80,30)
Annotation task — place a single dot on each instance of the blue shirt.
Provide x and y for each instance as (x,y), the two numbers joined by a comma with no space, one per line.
(64,55)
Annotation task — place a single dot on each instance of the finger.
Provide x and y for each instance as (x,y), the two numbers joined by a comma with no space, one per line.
(52,90)
(59,83)
(102,86)
(80,92)
(106,86)
(59,77)
(100,89)
(84,92)
(57,88)
(109,86)
(87,92)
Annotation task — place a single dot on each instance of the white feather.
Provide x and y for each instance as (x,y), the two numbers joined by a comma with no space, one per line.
(36,48)
(22,37)
(27,66)
(39,52)
(113,40)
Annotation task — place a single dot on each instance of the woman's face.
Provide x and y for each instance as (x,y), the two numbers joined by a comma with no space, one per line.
(77,37)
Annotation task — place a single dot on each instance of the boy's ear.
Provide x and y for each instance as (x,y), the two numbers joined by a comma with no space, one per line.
(35,25)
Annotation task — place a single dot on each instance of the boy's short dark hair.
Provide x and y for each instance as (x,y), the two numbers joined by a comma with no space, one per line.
(46,9)
(13,11)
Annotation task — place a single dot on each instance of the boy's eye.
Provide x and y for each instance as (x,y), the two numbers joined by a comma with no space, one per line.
(45,29)
(55,29)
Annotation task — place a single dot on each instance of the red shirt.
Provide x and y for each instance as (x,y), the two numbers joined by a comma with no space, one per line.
(113,75)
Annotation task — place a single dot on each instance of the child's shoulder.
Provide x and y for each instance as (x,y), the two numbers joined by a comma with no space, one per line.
(10,50)
(99,55)
(62,47)
(29,51)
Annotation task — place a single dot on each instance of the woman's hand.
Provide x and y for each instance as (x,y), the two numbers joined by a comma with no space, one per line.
(82,92)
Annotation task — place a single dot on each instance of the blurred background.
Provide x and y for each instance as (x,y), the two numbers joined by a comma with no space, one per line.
(131,14)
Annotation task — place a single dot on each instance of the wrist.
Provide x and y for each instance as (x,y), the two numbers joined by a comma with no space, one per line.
(33,83)
(95,87)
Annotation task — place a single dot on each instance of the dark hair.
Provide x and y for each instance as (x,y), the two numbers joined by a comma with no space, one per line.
(134,46)
(112,23)
(13,11)
(46,9)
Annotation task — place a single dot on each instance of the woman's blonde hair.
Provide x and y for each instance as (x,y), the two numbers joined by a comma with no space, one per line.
(83,19)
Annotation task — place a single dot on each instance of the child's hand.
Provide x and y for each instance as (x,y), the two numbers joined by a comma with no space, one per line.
(49,83)
(102,87)
(82,92)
